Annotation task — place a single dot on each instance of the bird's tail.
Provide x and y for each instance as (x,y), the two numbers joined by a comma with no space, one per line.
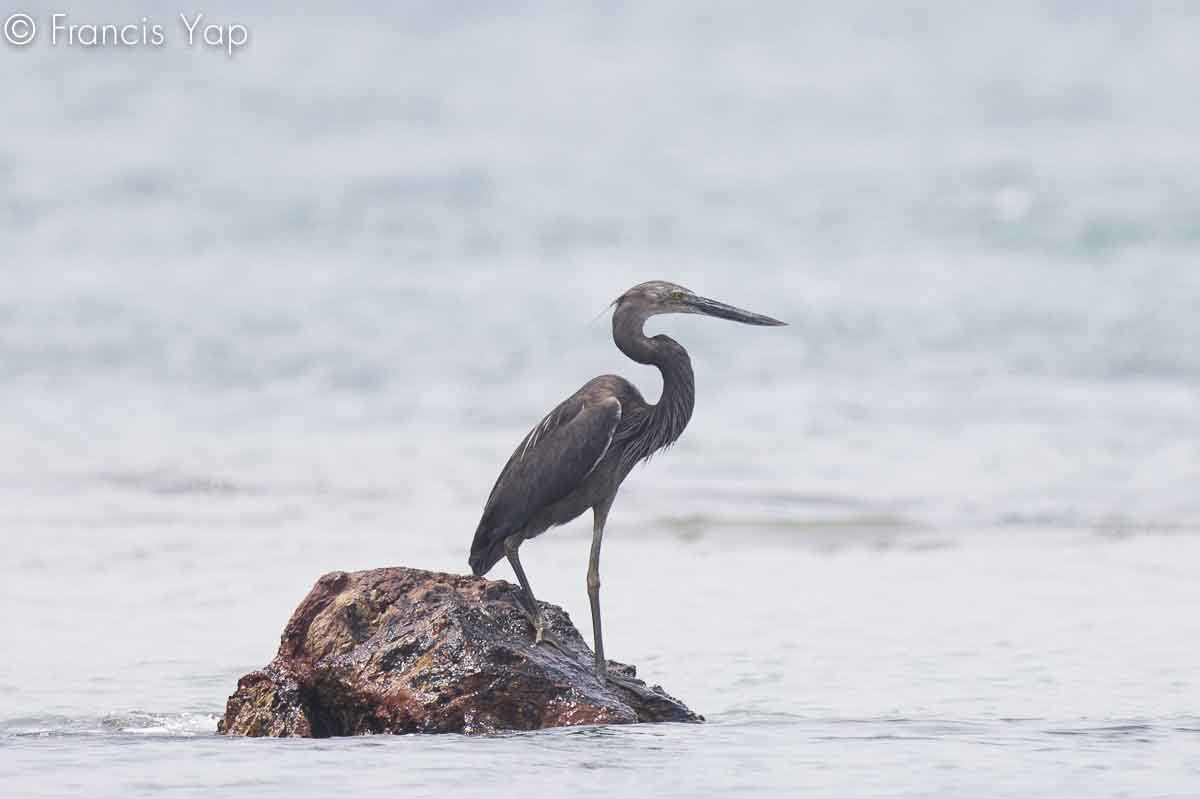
(487,548)
(479,564)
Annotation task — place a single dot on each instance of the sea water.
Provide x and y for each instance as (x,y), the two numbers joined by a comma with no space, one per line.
(268,315)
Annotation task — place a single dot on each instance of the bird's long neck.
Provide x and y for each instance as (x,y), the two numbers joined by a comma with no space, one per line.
(667,419)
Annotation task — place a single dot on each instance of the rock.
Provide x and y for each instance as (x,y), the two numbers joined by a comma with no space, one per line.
(402,650)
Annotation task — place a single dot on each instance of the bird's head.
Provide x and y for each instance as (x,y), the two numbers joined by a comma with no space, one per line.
(660,297)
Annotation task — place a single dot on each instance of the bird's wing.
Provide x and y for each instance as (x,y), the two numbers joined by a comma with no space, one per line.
(551,461)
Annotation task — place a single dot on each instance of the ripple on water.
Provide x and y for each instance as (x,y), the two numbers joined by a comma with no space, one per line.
(134,722)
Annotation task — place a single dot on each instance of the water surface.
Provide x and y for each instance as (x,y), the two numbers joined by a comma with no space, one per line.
(267,317)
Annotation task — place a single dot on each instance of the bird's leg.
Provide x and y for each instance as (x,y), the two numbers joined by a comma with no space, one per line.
(599,514)
(532,611)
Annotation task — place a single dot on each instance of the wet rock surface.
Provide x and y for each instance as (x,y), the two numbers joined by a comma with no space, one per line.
(402,650)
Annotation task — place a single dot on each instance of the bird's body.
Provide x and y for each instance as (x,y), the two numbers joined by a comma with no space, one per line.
(592,428)
(576,457)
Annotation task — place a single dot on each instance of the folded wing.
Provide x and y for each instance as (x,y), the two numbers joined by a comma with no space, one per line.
(550,462)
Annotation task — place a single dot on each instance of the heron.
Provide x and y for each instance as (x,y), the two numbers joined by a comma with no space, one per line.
(577,456)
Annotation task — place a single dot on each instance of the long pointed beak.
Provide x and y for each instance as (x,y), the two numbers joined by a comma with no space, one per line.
(704,305)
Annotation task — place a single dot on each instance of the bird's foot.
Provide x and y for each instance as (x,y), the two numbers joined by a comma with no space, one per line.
(608,678)
(539,629)
(537,619)
(628,683)
(541,634)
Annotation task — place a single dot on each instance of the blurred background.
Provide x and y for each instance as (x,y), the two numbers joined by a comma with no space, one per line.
(270,315)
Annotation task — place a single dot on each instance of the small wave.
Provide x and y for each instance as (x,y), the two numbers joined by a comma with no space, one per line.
(1136,729)
(135,722)
(880,531)
(173,483)
(737,717)
(872,521)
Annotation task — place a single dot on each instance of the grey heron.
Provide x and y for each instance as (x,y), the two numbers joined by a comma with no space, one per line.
(577,456)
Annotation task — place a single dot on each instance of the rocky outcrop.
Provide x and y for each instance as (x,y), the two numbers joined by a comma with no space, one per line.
(401,650)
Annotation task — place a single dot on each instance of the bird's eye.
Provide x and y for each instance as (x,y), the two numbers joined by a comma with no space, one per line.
(677,295)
